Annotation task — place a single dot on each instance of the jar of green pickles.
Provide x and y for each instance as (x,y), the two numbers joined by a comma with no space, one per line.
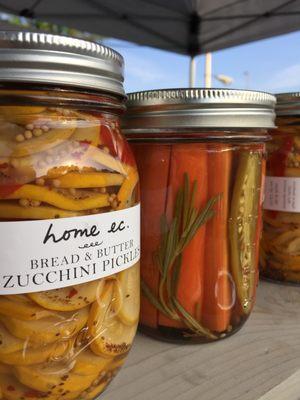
(280,246)
(201,156)
(69,219)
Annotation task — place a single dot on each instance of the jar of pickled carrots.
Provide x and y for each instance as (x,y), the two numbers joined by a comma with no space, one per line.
(200,155)
(280,246)
(69,212)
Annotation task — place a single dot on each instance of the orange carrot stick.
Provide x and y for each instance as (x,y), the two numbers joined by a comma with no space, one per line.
(153,165)
(190,159)
(218,299)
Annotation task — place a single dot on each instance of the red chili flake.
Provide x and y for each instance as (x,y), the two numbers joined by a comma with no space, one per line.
(33,394)
(4,165)
(72,293)
(10,388)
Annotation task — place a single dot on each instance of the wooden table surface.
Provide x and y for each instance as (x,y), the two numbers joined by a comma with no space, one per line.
(261,362)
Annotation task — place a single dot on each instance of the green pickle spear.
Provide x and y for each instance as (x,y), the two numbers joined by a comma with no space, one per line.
(243,225)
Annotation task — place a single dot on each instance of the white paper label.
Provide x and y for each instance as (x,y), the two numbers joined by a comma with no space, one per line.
(282,194)
(51,254)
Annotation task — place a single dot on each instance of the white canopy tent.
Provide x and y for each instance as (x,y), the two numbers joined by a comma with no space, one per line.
(189,27)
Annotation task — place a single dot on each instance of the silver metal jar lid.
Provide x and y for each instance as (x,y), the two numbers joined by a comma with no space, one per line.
(288,103)
(31,57)
(198,108)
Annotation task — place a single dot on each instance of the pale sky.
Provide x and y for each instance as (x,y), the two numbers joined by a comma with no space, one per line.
(271,65)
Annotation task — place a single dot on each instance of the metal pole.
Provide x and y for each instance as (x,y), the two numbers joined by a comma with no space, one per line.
(208,70)
(192,71)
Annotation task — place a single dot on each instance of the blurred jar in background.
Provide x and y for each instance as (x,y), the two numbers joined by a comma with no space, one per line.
(280,247)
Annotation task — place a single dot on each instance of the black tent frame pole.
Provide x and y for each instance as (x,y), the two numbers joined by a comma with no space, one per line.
(194,47)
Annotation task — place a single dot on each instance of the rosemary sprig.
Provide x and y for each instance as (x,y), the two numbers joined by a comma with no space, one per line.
(175,236)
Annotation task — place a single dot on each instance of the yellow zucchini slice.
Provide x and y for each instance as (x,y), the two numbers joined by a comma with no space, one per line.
(53,379)
(289,242)
(12,389)
(87,363)
(26,310)
(126,190)
(36,355)
(87,132)
(105,160)
(5,369)
(8,342)
(44,194)
(47,330)
(9,210)
(114,338)
(110,337)
(46,141)
(90,180)
(130,284)
(96,391)
(70,298)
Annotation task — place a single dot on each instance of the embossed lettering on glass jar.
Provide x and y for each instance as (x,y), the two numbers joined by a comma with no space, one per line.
(200,154)
(280,246)
(69,210)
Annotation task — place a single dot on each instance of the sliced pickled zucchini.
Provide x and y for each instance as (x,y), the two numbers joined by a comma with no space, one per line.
(109,336)
(87,133)
(70,298)
(47,330)
(114,338)
(26,309)
(14,390)
(43,194)
(95,391)
(15,113)
(130,284)
(5,369)
(243,225)
(36,355)
(15,211)
(38,144)
(53,379)
(288,242)
(90,180)
(105,160)
(87,363)
(127,188)
(8,342)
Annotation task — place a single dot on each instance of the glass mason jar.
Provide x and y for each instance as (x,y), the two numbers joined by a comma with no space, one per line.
(69,210)
(280,246)
(200,155)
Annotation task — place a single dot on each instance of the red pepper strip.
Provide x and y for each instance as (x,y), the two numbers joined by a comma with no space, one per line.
(117,145)
(72,293)
(6,190)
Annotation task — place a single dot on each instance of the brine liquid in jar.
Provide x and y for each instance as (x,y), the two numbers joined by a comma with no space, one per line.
(201,213)
(69,223)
